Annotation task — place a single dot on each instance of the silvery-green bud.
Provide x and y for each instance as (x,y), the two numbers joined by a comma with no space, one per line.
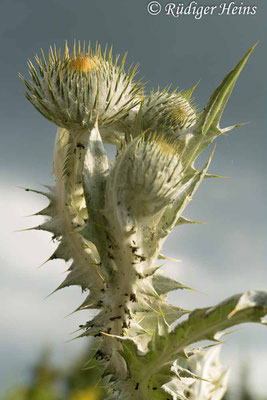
(147,175)
(168,110)
(73,89)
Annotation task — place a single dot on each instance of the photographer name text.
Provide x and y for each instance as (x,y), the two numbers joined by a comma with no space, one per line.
(199,11)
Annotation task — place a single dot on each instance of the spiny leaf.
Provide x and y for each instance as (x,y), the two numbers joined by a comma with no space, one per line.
(205,323)
(183,220)
(173,213)
(210,117)
(86,278)
(162,257)
(163,284)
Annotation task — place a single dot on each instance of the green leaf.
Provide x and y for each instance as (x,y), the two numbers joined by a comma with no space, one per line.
(163,284)
(156,368)
(203,324)
(210,117)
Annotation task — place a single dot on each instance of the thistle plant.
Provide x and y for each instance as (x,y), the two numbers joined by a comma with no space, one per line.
(111,219)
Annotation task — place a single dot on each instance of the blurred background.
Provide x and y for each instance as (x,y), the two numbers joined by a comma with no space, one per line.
(225,256)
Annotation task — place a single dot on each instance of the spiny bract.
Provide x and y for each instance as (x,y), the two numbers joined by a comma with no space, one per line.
(111,219)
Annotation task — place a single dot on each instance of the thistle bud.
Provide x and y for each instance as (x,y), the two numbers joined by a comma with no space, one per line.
(147,175)
(173,111)
(73,89)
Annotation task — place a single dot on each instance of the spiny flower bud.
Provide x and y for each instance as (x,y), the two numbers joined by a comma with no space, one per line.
(150,169)
(73,89)
(173,111)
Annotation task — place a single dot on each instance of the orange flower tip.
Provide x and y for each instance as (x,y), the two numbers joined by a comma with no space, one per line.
(83,64)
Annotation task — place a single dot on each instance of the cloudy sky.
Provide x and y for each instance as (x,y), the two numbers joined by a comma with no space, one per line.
(223,257)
